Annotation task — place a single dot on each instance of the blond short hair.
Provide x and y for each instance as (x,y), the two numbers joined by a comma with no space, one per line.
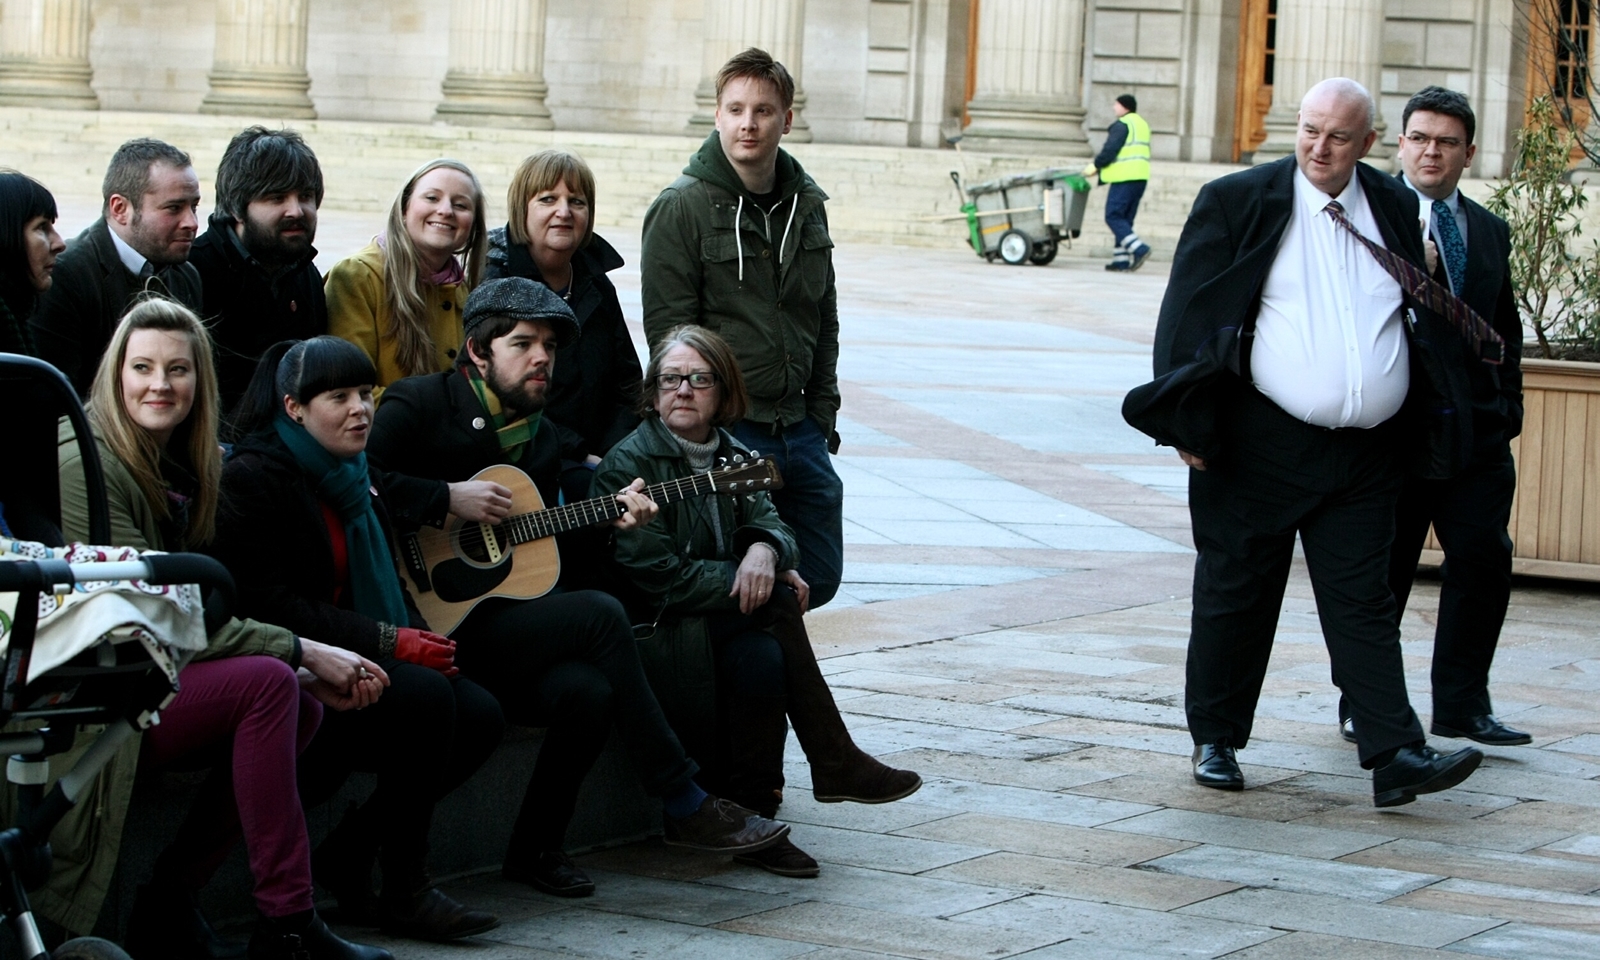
(542,172)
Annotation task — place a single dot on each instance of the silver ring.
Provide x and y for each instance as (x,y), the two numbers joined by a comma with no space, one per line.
(363,674)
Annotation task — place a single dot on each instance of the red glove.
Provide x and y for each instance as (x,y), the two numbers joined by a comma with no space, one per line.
(427,650)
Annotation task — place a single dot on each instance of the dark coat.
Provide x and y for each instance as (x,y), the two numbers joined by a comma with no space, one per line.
(250,309)
(595,388)
(92,290)
(1230,242)
(1496,390)
(273,538)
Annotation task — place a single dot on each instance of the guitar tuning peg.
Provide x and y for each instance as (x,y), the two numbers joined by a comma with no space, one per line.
(755,453)
(723,461)
(738,458)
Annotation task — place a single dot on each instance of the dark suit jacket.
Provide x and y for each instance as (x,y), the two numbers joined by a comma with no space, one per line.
(249,309)
(1496,390)
(92,290)
(1230,242)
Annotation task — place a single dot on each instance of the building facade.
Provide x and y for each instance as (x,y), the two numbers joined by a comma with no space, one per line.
(1218,80)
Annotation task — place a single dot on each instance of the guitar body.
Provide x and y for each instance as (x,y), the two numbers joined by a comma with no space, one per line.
(450,570)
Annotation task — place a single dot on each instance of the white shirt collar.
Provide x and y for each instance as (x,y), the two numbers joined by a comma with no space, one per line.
(131,258)
(1351,198)
(1453,201)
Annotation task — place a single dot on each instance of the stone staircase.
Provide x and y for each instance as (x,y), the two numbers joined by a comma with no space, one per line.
(879,194)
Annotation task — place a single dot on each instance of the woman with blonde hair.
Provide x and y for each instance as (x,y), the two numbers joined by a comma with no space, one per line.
(400,298)
(255,694)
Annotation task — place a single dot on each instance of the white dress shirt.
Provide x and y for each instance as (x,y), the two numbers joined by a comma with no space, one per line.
(1329,346)
(1454,203)
(131,258)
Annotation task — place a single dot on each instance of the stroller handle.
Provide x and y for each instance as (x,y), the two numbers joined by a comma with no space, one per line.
(160,568)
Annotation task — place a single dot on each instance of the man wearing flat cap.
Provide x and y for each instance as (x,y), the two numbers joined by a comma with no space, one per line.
(566,660)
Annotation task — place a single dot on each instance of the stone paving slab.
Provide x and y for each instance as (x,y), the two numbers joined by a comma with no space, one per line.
(1263,835)
(1079,881)
(1340,915)
(920,937)
(1152,931)
(1491,866)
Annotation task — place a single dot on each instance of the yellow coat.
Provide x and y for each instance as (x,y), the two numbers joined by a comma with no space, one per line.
(357,312)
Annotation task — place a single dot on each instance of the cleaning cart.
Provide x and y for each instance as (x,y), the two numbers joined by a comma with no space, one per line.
(1025,217)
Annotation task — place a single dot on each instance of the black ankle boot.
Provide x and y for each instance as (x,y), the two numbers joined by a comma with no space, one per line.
(167,925)
(304,936)
(343,863)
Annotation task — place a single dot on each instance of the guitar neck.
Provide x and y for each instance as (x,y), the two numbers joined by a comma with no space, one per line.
(587,513)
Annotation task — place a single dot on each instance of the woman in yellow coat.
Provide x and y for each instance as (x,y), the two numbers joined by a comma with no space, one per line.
(400,298)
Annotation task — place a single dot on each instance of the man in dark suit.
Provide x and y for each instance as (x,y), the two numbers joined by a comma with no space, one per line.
(140,243)
(1470,511)
(1271,273)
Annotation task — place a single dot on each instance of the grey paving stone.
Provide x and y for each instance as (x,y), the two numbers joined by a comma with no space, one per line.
(892,735)
(1534,786)
(874,930)
(1246,834)
(916,896)
(1027,804)
(1582,845)
(1101,708)
(1318,946)
(982,716)
(659,899)
(1490,866)
(1084,881)
(1032,774)
(800,808)
(592,933)
(1339,916)
(1053,840)
(1123,928)
(1278,871)
(1522,941)
(878,851)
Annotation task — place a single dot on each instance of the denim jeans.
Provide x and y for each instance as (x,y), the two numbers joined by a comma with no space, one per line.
(811,501)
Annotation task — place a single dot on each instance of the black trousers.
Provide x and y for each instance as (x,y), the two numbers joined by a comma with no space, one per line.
(567,662)
(741,755)
(1470,514)
(1337,489)
(423,738)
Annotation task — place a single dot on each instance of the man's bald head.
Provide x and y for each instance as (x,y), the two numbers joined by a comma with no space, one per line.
(1336,129)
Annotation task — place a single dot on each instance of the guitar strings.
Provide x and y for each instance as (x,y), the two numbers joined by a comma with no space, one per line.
(554,520)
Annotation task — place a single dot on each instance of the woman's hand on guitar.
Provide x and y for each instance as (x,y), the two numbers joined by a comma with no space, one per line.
(641,509)
(427,650)
(752,582)
(480,501)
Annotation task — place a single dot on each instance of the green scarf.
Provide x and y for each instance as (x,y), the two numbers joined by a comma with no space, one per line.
(344,485)
(515,436)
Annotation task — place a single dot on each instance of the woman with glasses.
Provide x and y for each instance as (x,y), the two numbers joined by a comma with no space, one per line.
(727,651)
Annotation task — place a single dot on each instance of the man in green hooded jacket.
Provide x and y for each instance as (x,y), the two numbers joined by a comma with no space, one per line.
(740,244)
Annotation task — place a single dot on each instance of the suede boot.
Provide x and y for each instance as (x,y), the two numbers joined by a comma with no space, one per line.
(839,769)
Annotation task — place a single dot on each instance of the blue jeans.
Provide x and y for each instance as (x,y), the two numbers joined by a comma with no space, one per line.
(1122,204)
(811,501)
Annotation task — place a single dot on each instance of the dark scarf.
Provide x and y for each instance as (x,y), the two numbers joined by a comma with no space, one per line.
(344,485)
(15,337)
(514,435)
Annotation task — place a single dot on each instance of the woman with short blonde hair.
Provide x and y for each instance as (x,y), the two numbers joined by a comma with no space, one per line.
(400,298)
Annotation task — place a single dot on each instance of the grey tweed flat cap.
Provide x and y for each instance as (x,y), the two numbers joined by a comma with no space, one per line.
(522,299)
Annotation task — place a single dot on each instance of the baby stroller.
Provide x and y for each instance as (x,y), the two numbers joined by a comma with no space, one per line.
(64,671)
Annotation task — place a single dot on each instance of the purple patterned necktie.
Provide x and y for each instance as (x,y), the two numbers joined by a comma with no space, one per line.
(1486,344)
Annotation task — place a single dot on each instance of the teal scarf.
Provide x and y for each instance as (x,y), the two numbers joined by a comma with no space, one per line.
(374,586)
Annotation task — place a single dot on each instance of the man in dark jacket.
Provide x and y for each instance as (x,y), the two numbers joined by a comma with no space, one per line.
(1469,512)
(564,660)
(740,244)
(140,243)
(1308,434)
(255,260)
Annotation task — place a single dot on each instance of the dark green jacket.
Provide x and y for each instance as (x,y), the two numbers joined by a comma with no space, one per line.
(775,305)
(680,564)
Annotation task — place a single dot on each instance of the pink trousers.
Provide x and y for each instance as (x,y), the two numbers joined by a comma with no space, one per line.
(250,714)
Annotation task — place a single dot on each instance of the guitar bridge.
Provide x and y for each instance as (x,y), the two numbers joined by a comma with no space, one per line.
(411,554)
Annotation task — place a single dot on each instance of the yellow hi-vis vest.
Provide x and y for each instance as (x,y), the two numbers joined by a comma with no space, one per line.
(1133,160)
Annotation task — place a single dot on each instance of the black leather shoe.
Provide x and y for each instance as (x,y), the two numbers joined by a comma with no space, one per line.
(1421,769)
(167,925)
(1347,729)
(1215,766)
(434,915)
(552,872)
(275,940)
(1483,728)
(722,826)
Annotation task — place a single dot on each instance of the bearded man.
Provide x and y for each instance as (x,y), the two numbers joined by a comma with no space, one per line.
(255,260)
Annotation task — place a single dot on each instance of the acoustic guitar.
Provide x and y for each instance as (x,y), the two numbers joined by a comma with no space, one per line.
(451,570)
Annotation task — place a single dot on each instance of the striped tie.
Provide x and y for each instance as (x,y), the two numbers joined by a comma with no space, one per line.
(1486,344)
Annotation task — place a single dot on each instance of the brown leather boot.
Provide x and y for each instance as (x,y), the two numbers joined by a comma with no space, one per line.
(840,770)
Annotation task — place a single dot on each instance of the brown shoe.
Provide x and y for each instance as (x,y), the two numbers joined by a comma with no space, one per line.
(782,858)
(862,779)
(433,914)
(722,826)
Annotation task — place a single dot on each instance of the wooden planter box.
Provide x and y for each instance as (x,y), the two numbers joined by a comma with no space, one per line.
(1555,519)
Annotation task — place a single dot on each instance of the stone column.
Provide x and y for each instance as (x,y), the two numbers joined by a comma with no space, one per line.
(776,26)
(1318,39)
(44,54)
(259,65)
(496,74)
(1029,90)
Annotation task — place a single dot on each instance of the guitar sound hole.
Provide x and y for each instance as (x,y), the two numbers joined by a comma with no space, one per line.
(475,548)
